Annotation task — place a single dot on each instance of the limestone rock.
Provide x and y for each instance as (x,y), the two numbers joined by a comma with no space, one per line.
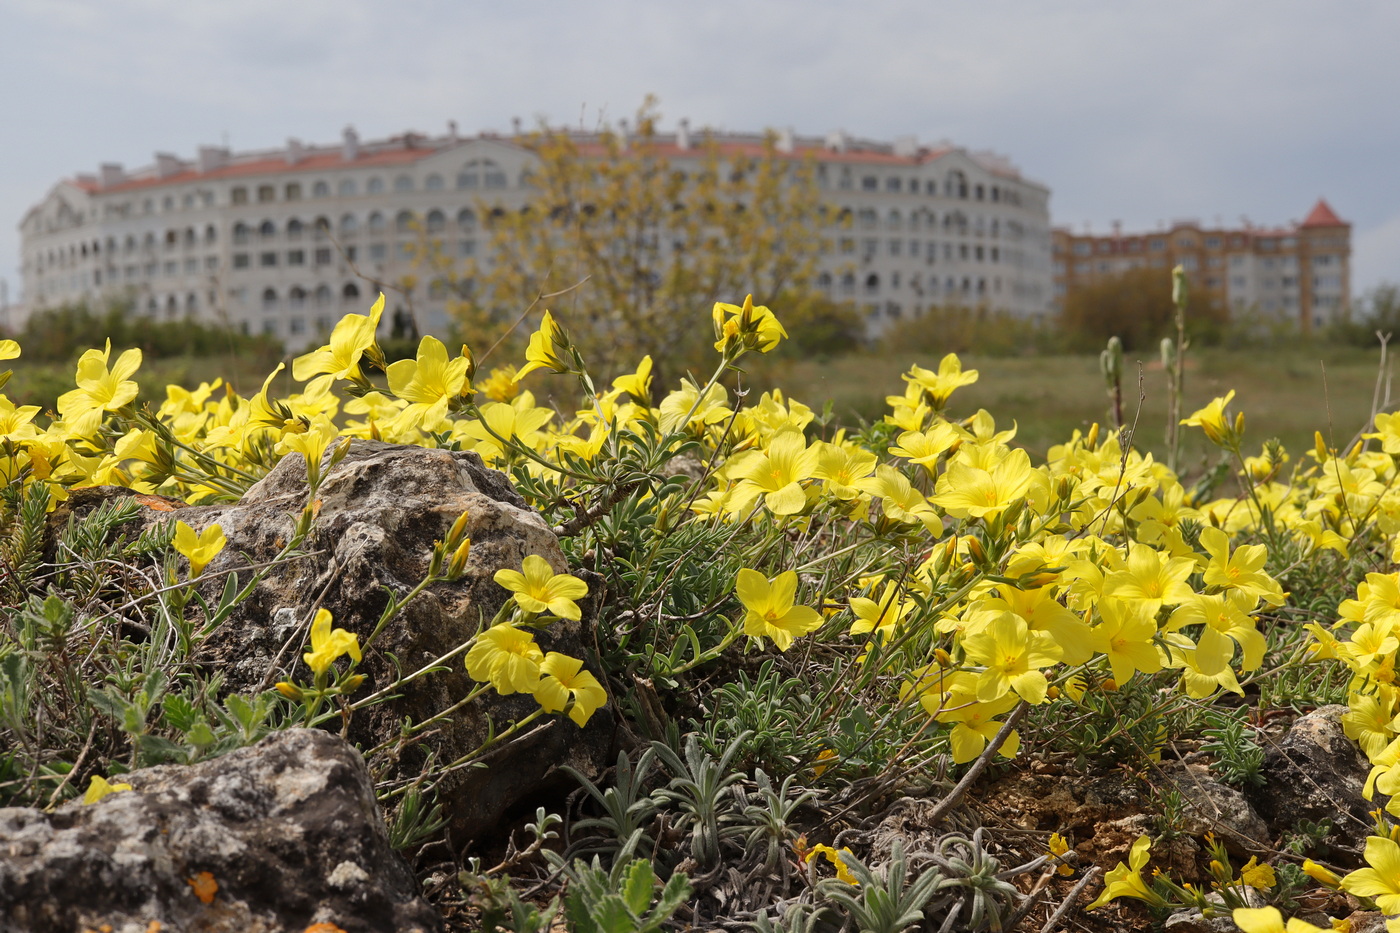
(1212,807)
(271,838)
(381,509)
(1315,773)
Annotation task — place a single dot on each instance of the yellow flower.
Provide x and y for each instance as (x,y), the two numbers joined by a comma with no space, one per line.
(1323,876)
(340,359)
(1269,920)
(1223,616)
(199,549)
(1242,570)
(825,759)
(1258,876)
(938,386)
(1381,879)
(540,589)
(328,644)
(99,788)
(747,327)
(544,349)
(1013,656)
(1058,849)
(1126,880)
(566,686)
(777,473)
(684,409)
(428,383)
(837,859)
(1125,637)
(506,658)
(1213,420)
(637,384)
(502,384)
(882,617)
(99,389)
(311,442)
(965,491)
(9,350)
(1151,580)
(771,613)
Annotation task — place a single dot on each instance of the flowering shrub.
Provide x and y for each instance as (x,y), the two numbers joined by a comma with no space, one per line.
(950,592)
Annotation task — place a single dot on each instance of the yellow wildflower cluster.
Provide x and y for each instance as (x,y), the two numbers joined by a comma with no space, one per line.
(1028,579)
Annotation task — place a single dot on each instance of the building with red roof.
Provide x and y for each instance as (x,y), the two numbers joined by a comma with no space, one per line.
(285,241)
(1297,274)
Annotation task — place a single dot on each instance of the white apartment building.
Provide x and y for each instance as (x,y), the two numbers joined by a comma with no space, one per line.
(285,241)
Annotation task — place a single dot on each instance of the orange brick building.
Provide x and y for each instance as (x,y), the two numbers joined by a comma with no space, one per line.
(1299,273)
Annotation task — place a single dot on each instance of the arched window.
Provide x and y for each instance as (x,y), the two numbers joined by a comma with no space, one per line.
(346,188)
(269,299)
(466,219)
(321,190)
(404,222)
(376,222)
(848,284)
(323,296)
(268,230)
(171,238)
(172,308)
(210,234)
(403,183)
(872,283)
(868,217)
(296,298)
(349,226)
(436,221)
(824,281)
(894,221)
(322,227)
(375,185)
(151,307)
(433,182)
(350,293)
(129,244)
(149,243)
(294,229)
(191,304)
(191,238)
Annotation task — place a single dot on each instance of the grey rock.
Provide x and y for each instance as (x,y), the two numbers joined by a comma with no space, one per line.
(1314,773)
(1212,807)
(1191,921)
(381,510)
(281,828)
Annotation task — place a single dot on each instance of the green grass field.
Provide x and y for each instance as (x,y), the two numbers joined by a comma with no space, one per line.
(1284,393)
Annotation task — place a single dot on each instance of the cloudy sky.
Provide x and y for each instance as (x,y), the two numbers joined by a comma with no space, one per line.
(1143,113)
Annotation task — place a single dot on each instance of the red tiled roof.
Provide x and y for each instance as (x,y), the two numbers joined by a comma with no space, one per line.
(312,162)
(330,159)
(1322,215)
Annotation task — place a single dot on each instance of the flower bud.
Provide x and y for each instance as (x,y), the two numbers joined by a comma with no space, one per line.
(458,564)
(290,691)
(1179,286)
(458,530)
